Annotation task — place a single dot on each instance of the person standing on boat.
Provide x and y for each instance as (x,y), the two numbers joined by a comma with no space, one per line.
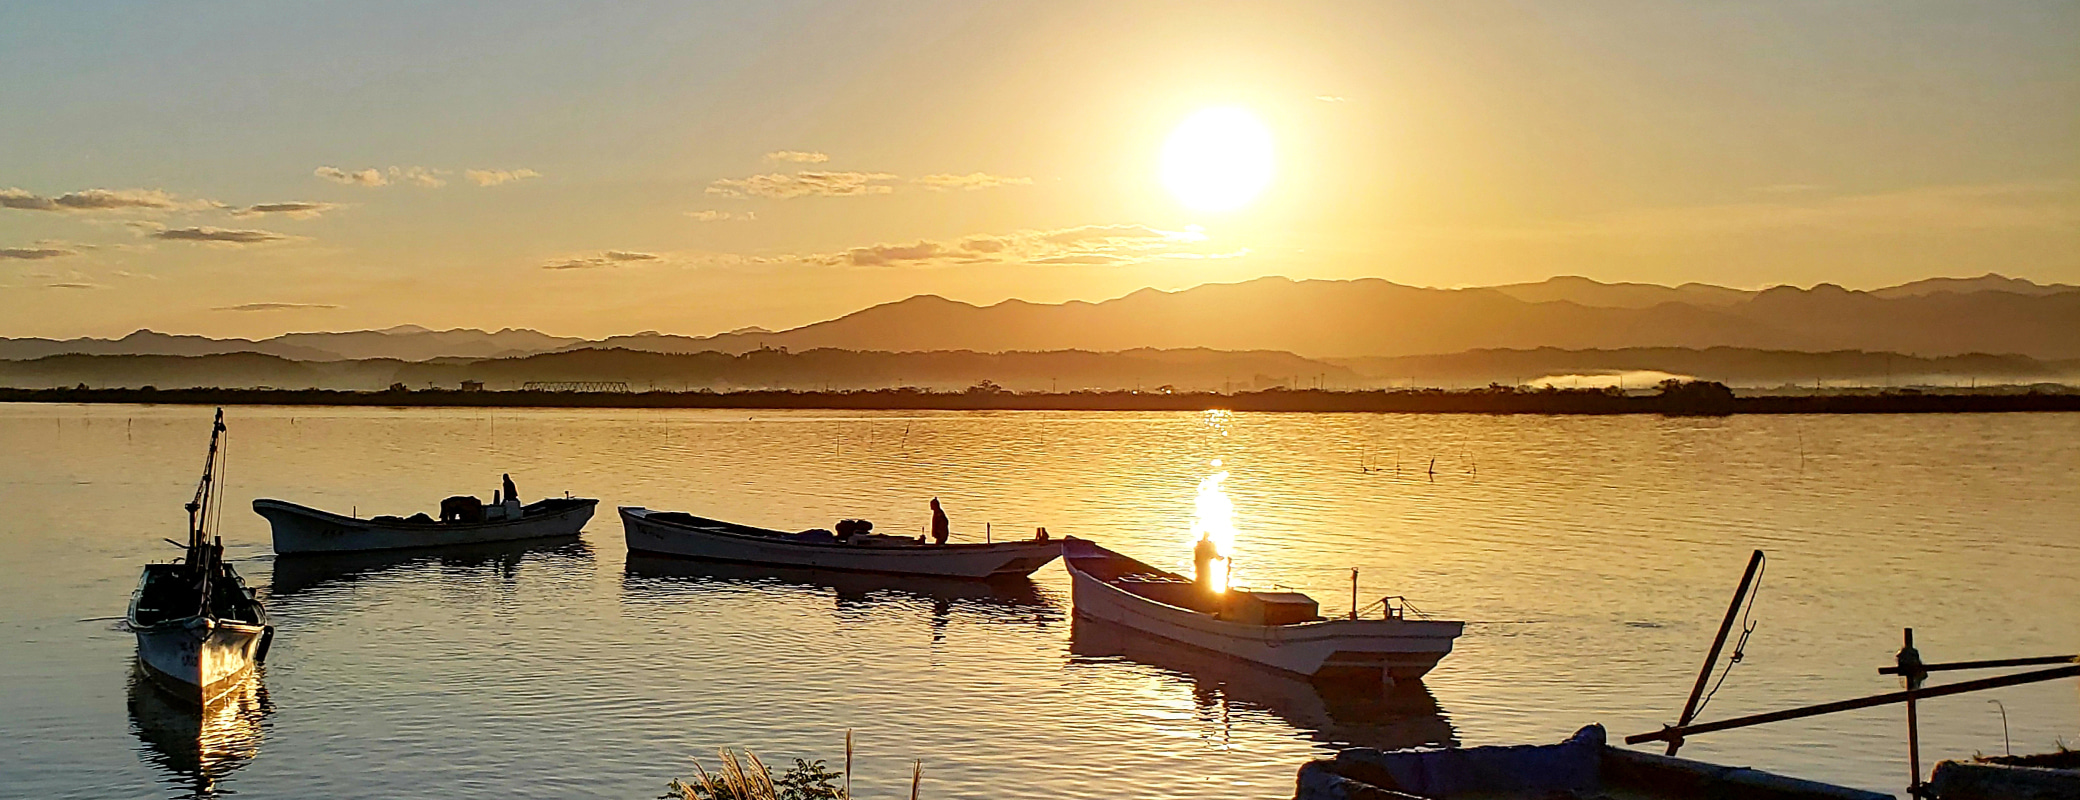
(941,529)
(511,493)
(1203,555)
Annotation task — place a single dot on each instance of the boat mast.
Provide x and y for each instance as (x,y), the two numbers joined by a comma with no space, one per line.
(201,551)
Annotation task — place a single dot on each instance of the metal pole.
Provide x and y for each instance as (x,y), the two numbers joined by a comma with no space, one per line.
(1889,698)
(1711,658)
(1354,592)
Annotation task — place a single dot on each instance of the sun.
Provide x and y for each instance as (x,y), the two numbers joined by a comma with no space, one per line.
(1218,159)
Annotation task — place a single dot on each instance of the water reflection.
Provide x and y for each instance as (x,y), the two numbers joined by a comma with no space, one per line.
(1004,600)
(198,748)
(302,572)
(1340,715)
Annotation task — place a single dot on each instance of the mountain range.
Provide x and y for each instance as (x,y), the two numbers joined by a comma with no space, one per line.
(1314,319)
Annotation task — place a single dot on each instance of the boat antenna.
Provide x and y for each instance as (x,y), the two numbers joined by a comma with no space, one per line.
(201,552)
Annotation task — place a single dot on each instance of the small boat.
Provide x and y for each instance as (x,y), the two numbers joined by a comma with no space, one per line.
(672,533)
(199,629)
(1334,713)
(302,529)
(1582,766)
(1282,630)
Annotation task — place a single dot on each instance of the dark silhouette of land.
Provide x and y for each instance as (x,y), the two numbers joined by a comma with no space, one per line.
(1676,399)
(1146,370)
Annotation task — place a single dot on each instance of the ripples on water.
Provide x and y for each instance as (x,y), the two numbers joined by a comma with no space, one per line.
(1591,557)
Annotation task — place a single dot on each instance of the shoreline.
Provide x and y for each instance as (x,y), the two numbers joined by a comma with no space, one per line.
(1405,401)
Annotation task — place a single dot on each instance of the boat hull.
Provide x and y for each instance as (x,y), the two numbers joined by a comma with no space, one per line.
(1330,650)
(198,659)
(977,561)
(301,529)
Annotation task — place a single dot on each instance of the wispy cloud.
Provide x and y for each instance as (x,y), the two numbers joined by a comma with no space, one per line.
(610,258)
(780,186)
(1332,98)
(35,253)
(96,200)
(292,210)
(72,285)
(818,183)
(797,156)
(373,177)
(275,307)
(217,235)
(494,177)
(1094,245)
(354,177)
(711,215)
(969,182)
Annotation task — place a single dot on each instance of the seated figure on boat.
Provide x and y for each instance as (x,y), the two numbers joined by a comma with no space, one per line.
(941,528)
(505,502)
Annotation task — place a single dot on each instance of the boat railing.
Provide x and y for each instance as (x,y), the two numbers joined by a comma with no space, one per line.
(1392,606)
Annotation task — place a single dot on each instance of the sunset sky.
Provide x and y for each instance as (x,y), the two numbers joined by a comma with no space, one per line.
(251,168)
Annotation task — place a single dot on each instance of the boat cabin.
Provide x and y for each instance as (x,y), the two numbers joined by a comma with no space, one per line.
(171,592)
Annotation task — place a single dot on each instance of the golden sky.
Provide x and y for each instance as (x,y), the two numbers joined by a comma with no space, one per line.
(253,168)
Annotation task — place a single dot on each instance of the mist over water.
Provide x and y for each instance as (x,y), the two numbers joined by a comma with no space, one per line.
(1591,557)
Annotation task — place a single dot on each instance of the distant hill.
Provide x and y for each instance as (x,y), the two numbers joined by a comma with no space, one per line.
(1315,319)
(407,342)
(1988,282)
(1371,317)
(1583,291)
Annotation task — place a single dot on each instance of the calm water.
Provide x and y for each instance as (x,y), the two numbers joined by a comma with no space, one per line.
(1591,557)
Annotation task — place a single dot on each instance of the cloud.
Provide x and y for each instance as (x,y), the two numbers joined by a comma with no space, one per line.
(293,210)
(494,177)
(72,285)
(610,258)
(35,253)
(217,235)
(1331,98)
(1087,258)
(884,254)
(804,184)
(275,307)
(969,182)
(1091,245)
(797,156)
(721,216)
(359,177)
(95,200)
(373,177)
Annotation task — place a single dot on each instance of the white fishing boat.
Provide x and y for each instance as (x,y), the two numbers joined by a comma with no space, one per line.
(302,529)
(673,533)
(1282,630)
(199,629)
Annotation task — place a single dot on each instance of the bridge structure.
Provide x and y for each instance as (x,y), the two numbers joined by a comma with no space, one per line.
(608,387)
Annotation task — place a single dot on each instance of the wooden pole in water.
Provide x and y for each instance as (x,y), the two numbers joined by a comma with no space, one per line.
(1711,658)
(1912,675)
(1354,592)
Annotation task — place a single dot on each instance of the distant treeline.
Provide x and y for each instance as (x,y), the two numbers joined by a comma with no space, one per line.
(1687,399)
